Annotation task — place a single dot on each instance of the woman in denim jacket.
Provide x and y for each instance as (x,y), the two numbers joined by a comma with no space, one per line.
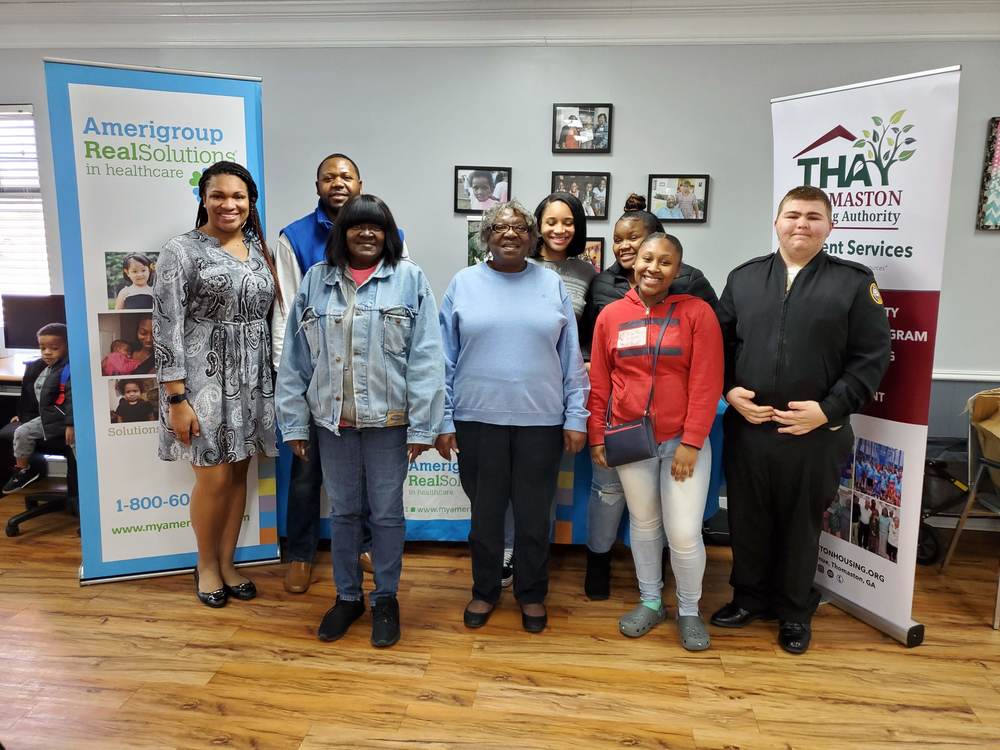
(362,359)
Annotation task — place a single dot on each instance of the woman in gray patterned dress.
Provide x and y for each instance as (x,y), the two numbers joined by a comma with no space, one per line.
(214,291)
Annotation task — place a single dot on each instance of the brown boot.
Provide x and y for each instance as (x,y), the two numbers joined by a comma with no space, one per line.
(298,576)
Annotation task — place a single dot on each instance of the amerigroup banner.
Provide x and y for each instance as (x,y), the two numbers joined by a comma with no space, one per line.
(882,151)
(128,145)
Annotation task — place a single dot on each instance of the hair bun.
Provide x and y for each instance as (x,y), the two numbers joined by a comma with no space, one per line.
(635,202)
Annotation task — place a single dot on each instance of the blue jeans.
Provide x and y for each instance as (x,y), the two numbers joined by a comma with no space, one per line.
(302,521)
(372,459)
(604,509)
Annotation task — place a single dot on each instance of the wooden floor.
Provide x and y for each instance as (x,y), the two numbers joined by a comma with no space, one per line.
(143,665)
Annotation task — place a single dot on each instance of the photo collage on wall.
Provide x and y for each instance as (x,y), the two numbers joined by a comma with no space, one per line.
(577,128)
(866,510)
(125,335)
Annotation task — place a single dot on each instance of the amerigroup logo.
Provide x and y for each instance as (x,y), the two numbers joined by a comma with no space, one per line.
(150,149)
(858,170)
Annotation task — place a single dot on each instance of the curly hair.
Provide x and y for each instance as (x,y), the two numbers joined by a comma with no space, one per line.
(490,216)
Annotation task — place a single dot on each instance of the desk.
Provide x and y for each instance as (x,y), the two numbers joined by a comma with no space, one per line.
(11,373)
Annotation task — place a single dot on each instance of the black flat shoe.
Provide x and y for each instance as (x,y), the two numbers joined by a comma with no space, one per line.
(794,637)
(534,623)
(476,619)
(732,616)
(215,599)
(244,591)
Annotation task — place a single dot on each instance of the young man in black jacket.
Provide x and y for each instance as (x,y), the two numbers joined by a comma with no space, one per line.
(806,344)
(40,423)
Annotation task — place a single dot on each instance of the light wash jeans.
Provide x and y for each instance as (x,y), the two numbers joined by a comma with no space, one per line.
(604,509)
(376,457)
(656,502)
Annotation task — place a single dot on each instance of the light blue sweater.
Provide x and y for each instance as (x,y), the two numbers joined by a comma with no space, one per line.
(512,356)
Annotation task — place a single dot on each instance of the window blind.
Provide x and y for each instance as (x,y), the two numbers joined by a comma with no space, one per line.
(24,263)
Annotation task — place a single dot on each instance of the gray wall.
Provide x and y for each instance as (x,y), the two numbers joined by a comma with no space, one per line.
(409,115)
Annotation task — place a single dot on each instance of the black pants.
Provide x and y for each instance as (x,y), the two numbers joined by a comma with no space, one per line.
(302,518)
(778,486)
(497,464)
(862,535)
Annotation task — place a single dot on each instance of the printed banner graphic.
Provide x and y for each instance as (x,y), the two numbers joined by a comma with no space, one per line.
(882,151)
(128,148)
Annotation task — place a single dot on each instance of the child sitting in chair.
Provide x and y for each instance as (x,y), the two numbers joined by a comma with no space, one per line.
(41,419)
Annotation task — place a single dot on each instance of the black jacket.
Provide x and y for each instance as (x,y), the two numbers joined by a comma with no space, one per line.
(612,284)
(827,340)
(51,407)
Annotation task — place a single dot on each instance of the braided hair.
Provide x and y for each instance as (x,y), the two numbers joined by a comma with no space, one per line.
(252,228)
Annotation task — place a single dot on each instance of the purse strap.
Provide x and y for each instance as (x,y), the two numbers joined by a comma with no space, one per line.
(652,378)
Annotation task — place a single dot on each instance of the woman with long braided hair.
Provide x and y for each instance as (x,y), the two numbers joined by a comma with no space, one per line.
(214,291)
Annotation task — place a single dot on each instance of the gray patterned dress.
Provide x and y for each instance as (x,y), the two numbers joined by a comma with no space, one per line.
(210,329)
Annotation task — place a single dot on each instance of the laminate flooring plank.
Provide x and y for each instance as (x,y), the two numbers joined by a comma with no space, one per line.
(438,727)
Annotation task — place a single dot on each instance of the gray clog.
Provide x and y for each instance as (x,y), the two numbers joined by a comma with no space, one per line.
(641,620)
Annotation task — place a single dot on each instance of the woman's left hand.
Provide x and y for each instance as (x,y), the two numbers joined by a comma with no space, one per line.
(415,449)
(685,458)
(574,441)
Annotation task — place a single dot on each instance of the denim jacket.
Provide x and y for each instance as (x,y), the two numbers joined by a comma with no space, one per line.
(397,361)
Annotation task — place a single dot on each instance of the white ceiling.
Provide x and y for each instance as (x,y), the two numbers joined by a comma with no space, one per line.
(344,23)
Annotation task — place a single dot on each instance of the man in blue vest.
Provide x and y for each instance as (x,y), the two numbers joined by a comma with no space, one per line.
(301,245)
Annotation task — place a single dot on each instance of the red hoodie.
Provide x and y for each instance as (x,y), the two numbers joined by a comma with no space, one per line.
(689,368)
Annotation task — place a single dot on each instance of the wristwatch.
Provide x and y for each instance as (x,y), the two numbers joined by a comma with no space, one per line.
(176,398)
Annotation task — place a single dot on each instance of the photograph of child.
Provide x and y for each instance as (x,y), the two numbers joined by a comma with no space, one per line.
(583,128)
(133,400)
(127,340)
(130,278)
(479,188)
(678,197)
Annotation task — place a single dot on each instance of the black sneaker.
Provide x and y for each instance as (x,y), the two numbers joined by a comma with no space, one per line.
(20,480)
(507,576)
(339,618)
(385,621)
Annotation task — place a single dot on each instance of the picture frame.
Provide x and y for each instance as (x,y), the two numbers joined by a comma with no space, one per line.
(595,206)
(678,198)
(594,252)
(581,128)
(477,254)
(479,188)
(988,214)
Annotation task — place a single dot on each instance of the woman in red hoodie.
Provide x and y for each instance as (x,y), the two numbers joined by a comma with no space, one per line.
(668,492)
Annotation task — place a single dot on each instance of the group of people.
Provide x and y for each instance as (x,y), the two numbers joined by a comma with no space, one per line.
(371,373)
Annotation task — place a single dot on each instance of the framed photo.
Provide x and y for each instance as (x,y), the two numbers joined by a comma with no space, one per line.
(479,188)
(477,255)
(594,252)
(581,128)
(678,197)
(989,194)
(592,188)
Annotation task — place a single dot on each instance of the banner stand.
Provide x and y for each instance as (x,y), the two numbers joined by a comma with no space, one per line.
(911,635)
(125,138)
(882,151)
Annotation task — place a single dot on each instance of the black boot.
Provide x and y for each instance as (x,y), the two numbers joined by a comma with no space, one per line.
(597,583)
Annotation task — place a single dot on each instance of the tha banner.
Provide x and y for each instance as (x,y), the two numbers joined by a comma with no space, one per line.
(882,151)
(128,147)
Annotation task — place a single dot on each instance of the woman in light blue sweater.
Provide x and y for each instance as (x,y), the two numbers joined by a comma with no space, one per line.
(515,399)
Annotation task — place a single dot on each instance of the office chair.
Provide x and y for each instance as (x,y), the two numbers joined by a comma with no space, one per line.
(48,499)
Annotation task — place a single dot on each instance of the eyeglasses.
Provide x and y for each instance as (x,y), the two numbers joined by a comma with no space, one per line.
(373,228)
(521,229)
